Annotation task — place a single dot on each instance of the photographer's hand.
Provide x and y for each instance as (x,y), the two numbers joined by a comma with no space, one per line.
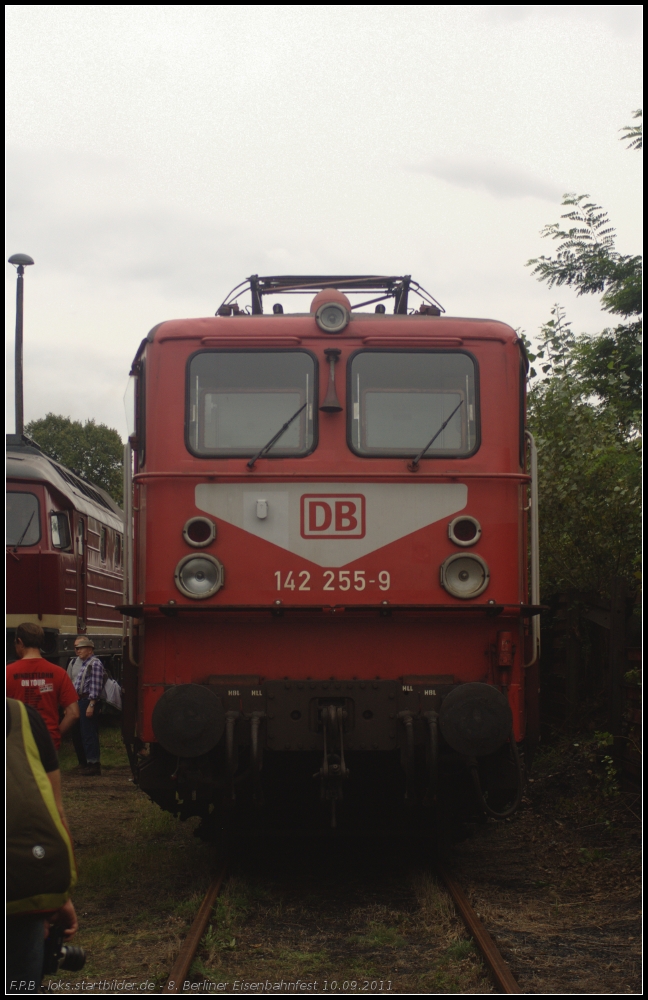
(67,917)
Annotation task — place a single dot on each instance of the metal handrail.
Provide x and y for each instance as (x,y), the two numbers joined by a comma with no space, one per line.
(128,545)
(535,550)
(128,484)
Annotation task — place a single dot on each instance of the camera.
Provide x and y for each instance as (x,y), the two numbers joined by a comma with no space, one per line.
(61,956)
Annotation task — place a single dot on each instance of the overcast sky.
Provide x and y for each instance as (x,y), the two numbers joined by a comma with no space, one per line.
(159,154)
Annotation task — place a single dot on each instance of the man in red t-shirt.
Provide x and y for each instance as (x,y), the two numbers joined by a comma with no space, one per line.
(41,684)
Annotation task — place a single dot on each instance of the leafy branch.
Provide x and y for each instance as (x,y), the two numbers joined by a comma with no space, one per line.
(588,260)
(633,133)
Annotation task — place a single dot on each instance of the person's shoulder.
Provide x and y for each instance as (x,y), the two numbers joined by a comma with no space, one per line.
(55,667)
(60,673)
(62,678)
(35,664)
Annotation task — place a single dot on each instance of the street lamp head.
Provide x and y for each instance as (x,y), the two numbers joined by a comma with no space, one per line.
(20,258)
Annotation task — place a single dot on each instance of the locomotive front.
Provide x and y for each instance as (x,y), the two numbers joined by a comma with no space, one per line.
(328,592)
(64,556)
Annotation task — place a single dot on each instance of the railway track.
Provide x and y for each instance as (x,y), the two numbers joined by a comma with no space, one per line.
(178,974)
(497,967)
(489,951)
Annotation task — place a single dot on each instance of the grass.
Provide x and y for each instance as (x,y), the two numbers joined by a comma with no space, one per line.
(379,936)
(459,950)
(142,874)
(113,751)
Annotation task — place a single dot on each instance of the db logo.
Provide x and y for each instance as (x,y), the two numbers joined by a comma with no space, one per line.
(333,515)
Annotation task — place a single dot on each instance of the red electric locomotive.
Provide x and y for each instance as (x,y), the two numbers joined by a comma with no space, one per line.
(332,575)
(64,556)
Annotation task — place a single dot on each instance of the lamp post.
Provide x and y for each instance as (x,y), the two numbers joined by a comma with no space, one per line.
(20,262)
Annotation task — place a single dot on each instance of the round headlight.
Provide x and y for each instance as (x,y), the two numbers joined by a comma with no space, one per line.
(199,576)
(464,530)
(464,576)
(199,532)
(332,317)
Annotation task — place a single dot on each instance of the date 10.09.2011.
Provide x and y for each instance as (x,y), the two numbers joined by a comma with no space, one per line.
(343,579)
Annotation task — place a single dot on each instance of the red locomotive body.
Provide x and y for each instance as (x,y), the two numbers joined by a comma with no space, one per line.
(64,556)
(355,591)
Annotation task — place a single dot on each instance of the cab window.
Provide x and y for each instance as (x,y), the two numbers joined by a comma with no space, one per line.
(238,400)
(23,519)
(60,527)
(80,536)
(399,401)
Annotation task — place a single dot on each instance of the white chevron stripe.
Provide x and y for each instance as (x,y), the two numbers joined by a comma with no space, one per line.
(393,510)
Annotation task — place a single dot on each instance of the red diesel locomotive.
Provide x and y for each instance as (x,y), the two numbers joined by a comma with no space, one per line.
(331,545)
(64,556)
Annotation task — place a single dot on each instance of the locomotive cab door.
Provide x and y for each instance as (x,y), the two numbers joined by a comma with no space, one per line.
(81,557)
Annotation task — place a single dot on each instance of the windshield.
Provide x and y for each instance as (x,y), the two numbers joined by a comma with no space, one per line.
(401,399)
(239,400)
(23,519)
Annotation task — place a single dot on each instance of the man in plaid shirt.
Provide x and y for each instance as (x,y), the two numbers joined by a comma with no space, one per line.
(87,675)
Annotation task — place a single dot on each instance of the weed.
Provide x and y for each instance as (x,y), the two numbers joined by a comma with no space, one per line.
(186,909)
(437,908)
(609,784)
(213,973)
(460,950)
(379,936)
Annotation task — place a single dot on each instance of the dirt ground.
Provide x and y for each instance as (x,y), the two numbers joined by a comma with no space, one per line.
(557,886)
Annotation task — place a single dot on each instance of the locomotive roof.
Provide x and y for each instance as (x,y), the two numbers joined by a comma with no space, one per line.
(396,287)
(26,461)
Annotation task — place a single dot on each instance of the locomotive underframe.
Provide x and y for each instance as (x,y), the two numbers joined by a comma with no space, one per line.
(372,741)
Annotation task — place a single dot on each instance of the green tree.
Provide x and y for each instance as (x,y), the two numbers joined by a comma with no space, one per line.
(584,409)
(589,474)
(94,451)
(609,369)
(607,365)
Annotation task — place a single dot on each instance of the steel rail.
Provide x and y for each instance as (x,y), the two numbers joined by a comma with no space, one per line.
(177,976)
(490,953)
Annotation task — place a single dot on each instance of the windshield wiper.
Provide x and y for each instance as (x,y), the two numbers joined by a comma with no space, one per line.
(266,448)
(413,466)
(20,540)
